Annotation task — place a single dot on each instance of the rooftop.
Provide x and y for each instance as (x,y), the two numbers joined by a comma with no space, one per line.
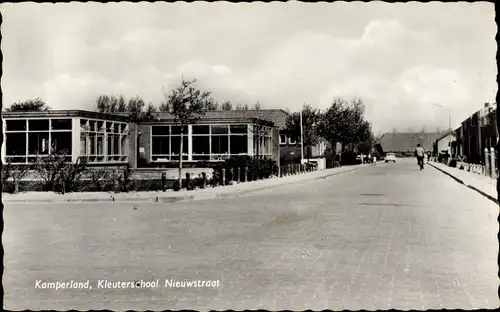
(401,142)
(276,116)
(64,113)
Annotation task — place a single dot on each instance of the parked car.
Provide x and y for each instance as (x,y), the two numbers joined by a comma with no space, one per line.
(390,157)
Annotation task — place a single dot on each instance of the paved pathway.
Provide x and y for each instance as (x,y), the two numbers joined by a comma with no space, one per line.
(385,236)
(483,184)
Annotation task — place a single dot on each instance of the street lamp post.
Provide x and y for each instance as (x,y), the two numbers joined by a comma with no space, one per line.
(449,122)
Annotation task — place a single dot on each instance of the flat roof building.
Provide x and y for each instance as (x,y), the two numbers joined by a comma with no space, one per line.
(112,139)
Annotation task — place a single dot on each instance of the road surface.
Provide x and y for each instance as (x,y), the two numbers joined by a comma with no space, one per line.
(381,237)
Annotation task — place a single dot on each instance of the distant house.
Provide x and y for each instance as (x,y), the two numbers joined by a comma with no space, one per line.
(405,143)
(445,143)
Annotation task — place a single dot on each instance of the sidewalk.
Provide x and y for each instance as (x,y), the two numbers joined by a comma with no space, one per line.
(170,196)
(485,185)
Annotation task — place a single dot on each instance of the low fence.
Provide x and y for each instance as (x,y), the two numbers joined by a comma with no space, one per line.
(488,169)
(159,179)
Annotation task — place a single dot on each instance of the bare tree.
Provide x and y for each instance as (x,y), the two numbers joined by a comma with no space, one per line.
(212,105)
(242,107)
(187,104)
(150,113)
(135,107)
(227,106)
(122,106)
(103,103)
(257,106)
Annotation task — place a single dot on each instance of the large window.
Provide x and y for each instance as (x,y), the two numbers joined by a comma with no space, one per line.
(201,142)
(103,141)
(165,143)
(208,142)
(28,139)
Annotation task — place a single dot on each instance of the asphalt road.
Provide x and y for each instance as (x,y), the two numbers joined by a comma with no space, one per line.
(385,236)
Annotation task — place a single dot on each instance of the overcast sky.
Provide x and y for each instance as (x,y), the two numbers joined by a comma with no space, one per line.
(398,58)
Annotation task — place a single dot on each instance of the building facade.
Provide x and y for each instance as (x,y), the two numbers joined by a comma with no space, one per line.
(100,138)
(477,132)
(111,139)
(215,137)
(445,144)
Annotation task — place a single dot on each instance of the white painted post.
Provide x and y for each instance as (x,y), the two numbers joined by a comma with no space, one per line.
(190,142)
(492,163)
(486,162)
(4,153)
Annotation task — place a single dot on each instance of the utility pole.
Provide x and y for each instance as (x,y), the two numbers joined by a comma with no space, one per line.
(301,139)
(449,124)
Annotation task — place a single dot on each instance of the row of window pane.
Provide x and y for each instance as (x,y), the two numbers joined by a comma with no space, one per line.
(93,144)
(223,144)
(38,143)
(38,124)
(100,159)
(102,126)
(169,145)
(201,129)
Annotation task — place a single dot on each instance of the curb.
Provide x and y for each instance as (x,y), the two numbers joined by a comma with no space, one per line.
(448,174)
(177,199)
(493,199)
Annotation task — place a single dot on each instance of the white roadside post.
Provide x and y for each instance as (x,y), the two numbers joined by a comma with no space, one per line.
(301,140)
(487,169)
(492,161)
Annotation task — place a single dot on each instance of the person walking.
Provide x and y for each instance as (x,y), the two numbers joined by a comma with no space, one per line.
(420,153)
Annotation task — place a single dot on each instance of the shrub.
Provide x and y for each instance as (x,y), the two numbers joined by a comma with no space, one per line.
(125,183)
(17,173)
(217,174)
(69,178)
(176,187)
(101,180)
(192,184)
(50,168)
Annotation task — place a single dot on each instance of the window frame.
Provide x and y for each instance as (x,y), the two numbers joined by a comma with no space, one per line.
(190,135)
(28,131)
(108,130)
